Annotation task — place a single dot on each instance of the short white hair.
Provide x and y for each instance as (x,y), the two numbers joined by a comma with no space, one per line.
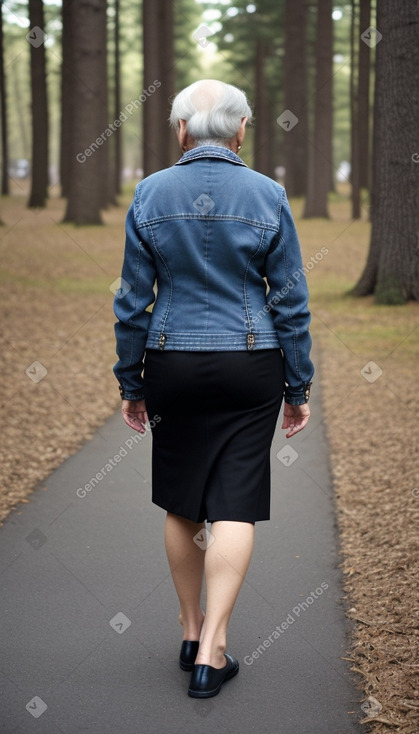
(213,111)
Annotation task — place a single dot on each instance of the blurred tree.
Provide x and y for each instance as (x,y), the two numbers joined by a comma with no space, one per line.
(341,89)
(262,154)
(187,69)
(355,159)
(359,99)
(88,174)
(67,99)
(295,96)
(3,103)
(187,18)
(251,41)
(39,188)
(117,159)
(159,84)
(392,269)
(364,73)
(320,143)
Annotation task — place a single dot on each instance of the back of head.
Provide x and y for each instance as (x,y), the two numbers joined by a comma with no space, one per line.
(212,110)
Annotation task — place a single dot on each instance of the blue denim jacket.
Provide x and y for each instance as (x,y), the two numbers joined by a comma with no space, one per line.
(212,234)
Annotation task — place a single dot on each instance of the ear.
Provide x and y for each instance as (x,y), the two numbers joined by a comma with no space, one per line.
(182,136)
(241,132)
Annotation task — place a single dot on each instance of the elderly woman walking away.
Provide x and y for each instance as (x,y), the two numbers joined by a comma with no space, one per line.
(213,359)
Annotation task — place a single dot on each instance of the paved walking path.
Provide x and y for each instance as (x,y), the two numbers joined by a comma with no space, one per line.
(89,633)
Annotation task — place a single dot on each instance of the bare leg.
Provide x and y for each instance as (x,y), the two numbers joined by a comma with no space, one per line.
(226,562)
(186,561)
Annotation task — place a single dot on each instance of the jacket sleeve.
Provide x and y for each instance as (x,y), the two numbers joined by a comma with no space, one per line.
(288,304)
(135,295)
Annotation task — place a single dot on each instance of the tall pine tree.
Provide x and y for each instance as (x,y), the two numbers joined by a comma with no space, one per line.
(39,188)
(392,269)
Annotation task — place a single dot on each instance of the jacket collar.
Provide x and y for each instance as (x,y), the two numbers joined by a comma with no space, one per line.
(211,151)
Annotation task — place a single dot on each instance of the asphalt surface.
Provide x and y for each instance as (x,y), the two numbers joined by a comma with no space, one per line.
(89,637)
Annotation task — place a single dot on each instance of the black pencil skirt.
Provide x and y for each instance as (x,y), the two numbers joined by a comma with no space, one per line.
(211,447)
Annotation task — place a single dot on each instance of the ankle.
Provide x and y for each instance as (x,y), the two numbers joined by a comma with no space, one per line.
(192,624)
(211,654)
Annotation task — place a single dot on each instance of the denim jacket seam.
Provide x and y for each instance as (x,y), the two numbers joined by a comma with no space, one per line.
(290,319)
(208,217)
(137,203)
(135,284)
(265,332)
(279,208)
(133,335)
(169,300)
(246,300)
(207,306)
(208,189)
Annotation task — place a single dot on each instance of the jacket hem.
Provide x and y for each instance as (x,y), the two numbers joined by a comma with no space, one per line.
(189,342)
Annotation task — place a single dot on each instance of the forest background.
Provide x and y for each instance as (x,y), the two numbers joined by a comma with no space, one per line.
(336,102)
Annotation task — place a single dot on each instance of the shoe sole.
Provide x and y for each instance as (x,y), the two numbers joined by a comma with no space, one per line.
(214,691)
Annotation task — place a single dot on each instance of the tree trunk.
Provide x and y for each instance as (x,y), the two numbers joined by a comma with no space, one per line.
(364,64)
(295,96)
(67,100)
(262,154)
(392,268)
(159,84)
(3,102)
(117,103)
(354,104)
(320,145)
(360,113)
(39,188)
(88,182)
(108,192)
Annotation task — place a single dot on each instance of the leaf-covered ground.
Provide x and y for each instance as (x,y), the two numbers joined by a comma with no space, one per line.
(57,387)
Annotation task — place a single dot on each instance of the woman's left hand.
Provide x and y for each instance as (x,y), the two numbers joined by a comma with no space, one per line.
(134,414)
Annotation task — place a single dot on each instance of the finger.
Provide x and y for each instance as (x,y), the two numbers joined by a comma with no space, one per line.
(133,422)
(298,427)
(142,419)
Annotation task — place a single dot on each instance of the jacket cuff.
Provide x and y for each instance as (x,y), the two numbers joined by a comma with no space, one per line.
(297,395)
(129,395)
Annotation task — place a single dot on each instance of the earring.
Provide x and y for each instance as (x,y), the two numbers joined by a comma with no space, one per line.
(239,148)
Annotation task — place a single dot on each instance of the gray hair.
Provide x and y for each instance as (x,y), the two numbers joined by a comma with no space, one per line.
(213,111)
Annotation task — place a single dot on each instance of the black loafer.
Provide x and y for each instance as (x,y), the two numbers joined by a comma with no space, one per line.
(188,653)
(206,681)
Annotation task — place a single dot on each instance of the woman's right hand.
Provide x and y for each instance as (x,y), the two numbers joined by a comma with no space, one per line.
(295,418)
(134,414)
